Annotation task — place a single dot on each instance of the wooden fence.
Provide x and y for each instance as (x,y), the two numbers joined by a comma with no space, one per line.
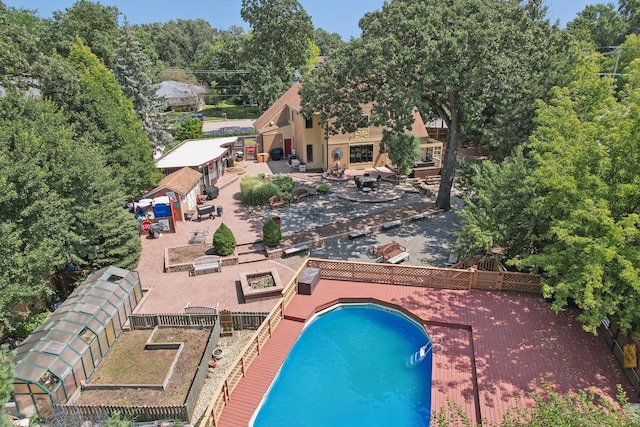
(446,278)
(78,414)
(241,320)
(616,340)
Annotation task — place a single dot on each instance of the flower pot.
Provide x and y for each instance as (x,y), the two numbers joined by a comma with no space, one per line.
(217,353)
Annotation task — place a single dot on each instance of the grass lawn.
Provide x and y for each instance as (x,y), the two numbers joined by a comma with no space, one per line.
(233,111)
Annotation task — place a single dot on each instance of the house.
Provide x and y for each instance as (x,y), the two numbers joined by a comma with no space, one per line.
(282,126)
(182,187)
(208,156)
(182,96)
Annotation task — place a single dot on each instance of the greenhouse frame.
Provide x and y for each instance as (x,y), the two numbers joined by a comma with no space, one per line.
(69,345)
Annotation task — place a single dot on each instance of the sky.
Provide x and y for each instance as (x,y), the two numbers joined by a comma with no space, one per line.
(334,16)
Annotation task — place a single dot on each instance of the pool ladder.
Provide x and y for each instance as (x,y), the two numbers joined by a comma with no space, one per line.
(423,351)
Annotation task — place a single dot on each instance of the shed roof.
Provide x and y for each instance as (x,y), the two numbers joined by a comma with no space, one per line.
(58,344)
(180,181)
(195,153)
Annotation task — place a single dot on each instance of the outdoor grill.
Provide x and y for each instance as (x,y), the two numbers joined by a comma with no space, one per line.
(205,210)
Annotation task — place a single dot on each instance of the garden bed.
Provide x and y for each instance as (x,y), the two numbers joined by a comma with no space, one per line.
(129,363)
(261,284)
(181,258)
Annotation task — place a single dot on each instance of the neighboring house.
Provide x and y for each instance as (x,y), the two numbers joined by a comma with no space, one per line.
(207,156)
(184,186)
(283,126)
(182,96)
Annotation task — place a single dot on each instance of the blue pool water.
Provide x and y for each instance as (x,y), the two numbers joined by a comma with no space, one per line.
(350,367)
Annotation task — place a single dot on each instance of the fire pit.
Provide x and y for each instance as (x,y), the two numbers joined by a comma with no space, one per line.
(261,284)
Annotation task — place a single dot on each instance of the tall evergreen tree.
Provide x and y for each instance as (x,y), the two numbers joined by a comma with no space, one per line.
(61,203)
(131,70)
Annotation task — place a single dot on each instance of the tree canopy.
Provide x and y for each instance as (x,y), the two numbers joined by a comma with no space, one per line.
(408,57)
(569,207)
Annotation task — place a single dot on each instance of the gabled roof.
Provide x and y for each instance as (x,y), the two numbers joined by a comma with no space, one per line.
(291,99)
(174,89)
(180,181)
(195,153)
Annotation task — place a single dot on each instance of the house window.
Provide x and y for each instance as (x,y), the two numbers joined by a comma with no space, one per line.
(309,153)
(364,122)
(308,123)
(361,153)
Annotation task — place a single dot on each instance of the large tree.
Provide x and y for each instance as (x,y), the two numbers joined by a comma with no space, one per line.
(409,56)
(132,69)
(99,112)
(569,210)
(280,34)
(96,25)
(327,42)
(600,24)
(60,204)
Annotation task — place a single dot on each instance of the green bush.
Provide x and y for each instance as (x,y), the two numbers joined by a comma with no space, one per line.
(224,242)
(255,192)
(271,234)
(284,182)
(323,188)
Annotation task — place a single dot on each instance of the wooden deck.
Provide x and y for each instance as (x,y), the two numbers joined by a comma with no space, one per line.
(496,348)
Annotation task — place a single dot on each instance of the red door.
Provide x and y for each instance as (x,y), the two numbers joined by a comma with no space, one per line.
(287,147)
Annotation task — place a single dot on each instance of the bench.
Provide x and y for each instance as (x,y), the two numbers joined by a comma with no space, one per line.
(295,249)
(359,233)
(275,201)
(206,264)
(391,224)
(392,253)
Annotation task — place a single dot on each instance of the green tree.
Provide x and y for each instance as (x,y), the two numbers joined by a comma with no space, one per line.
(100,113)
(271,234)
(6,381)
(600,24)
(571,210)
(408,57)
(224,242)
(327,42)
(403,149)
(190,128)
(60,204)
(18,49)
(280,35)
(94,24)
(132,70)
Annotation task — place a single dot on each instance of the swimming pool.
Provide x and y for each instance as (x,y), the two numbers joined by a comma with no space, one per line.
(352,366)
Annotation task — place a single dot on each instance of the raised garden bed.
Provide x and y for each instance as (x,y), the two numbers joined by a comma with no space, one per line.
(181,258)
(261,284)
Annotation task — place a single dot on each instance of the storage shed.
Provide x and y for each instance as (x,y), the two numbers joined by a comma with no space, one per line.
(70,344)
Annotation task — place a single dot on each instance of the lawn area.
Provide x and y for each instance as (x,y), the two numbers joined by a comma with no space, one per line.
(233,111)
(122,365)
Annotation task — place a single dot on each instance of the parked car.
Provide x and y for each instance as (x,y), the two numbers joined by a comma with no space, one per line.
(192,115)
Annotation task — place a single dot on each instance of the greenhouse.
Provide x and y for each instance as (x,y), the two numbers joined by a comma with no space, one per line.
(69,345)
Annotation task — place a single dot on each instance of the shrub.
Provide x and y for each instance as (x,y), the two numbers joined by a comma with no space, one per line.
(224,242)
(255,192)
(323,188)
(271,234)
(284,182)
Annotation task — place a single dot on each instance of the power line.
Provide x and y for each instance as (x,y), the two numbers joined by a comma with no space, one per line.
(189,71)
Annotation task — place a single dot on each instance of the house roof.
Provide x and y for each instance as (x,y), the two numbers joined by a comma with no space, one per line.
(180,181)
(173,89)
(290,98)
(195,153)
